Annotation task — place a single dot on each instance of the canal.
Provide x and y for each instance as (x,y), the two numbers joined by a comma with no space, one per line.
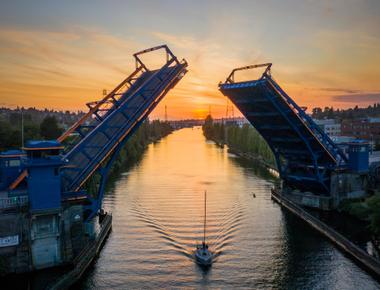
(157,208)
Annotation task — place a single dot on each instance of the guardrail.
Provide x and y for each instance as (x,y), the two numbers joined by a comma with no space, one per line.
(11,202)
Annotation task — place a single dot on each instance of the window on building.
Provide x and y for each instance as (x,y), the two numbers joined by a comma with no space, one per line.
(14,163)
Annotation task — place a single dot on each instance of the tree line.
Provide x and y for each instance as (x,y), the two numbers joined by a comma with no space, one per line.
(133,150)
(243,139)
(50,128)
(11,131)
(351,113)
(149,131)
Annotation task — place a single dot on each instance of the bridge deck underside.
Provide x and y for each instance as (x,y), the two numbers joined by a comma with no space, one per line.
(302,159)
(117,124)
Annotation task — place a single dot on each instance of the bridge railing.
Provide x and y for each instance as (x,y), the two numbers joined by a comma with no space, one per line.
(11,202)
(119,123)
(335,152)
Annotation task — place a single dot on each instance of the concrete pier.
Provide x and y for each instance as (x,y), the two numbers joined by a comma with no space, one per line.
(84,259)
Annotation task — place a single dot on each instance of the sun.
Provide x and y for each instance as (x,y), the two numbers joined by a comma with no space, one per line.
(200,113)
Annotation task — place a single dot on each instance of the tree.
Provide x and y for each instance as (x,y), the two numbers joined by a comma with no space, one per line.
(5,131)
(49,128)
(317,113)
(208,128)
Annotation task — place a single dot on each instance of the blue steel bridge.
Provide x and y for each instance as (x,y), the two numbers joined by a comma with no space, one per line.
(305,155)
(103,130)
(50,214)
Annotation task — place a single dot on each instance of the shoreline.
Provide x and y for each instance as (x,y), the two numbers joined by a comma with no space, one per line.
(273,171)
(370,263)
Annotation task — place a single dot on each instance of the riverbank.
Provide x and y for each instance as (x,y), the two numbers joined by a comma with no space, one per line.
(359,218)
(237,139)
(361,257)
(254,157)
(368,211)
(149,132)
(243,141)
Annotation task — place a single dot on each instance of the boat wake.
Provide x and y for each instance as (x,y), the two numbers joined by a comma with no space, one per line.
(185,236)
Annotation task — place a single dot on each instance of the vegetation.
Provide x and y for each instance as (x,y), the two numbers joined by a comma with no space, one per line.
(367,210)
(243,139)
(351,113)
(49,128)
(10,133)
(11,137)
(148,132)
(246,139)
(36,115)
(37,124)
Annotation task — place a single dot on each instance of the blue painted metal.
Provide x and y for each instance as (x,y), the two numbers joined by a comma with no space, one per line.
(358,156)
(305,155)
(44,181)
(10,166)
(111,122)
(118,117)
(92,144)
(43,144)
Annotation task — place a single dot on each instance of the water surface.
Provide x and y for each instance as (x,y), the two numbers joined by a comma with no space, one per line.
(157,209)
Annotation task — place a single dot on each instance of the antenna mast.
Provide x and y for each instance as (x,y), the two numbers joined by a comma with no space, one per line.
(204,222)
(22,127)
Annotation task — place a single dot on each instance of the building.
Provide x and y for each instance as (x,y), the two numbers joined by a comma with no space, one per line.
(239,121)
(365,128)
(330,126)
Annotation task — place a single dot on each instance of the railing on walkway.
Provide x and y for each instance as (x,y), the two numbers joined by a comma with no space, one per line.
(11,202)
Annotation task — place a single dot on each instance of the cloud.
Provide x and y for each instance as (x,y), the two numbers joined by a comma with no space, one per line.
(358,98)
(65,67)
(337,90)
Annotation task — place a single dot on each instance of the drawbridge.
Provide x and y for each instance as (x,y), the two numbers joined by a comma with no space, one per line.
(50,217)
(305,155)
(94,141)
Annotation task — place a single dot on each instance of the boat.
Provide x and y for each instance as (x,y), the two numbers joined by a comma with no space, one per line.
(203,255)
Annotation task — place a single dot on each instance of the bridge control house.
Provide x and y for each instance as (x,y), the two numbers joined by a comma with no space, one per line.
(33,218)
(48,217)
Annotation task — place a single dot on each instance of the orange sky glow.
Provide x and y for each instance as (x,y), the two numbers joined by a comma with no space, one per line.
(70,62)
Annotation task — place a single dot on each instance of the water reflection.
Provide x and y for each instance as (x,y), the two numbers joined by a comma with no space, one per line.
(158,209)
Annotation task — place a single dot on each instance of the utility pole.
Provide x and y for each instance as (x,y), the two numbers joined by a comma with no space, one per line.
(166,113)
(227,110)
(22,127)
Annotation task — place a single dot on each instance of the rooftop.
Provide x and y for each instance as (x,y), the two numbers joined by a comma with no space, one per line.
(43,144)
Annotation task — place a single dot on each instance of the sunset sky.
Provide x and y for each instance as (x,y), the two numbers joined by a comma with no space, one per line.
(62,54)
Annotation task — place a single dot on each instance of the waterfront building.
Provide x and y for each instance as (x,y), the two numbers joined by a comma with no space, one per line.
(365,128)
(330,126)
